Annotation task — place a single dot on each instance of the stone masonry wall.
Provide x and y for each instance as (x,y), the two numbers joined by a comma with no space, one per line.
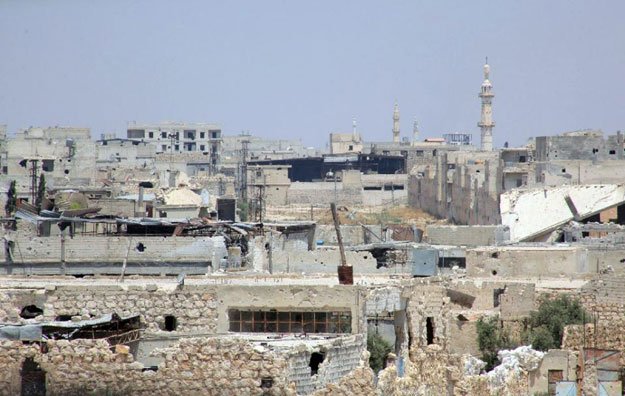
(209,366)
(341,356)
(427,301)
(195,309)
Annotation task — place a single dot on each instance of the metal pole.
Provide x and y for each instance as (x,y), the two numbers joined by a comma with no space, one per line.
(339,237)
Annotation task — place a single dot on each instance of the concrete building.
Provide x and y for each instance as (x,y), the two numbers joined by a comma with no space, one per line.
(172,137)
(344,143)
(66,155)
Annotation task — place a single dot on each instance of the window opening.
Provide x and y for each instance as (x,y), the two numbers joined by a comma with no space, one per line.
(316,358)
(429,328)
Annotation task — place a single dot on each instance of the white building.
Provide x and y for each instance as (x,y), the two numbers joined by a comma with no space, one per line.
(174,137)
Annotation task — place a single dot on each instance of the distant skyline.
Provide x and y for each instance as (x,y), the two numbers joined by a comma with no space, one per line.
(301,70)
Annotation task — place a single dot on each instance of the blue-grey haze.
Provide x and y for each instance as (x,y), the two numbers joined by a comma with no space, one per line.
(298,69)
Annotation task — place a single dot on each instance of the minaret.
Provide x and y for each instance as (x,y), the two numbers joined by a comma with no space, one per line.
(415,132)
(486,123)
(396,124)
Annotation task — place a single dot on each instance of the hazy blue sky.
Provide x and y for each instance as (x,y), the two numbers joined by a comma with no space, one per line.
(297,69)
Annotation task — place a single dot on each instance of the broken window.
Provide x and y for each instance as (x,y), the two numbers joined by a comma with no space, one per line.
(429,329)
(47,165)
(140,247)
(266,383)
(272,321)
(316,358)
(30,312)
(497,296)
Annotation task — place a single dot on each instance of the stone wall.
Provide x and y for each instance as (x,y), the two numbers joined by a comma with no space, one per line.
(466,235)
(523,262)
(195,309)
(340,357)
(209,366)
(117,248)
(427,306)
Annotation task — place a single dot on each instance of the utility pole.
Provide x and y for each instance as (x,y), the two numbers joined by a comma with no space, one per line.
(243,168)
(346,274)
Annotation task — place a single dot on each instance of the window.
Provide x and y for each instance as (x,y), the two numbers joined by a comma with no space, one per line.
(47,165)
(164,147)
(612,152)
(351,148)
(273,321)
(202,135)
(170,323)
(150,135)
(522,158)
(177,147)
(419,153)
(189,134)
(202,147)
(30,312)
(429,328)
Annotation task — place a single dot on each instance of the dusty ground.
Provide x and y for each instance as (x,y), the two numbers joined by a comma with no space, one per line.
(399,214)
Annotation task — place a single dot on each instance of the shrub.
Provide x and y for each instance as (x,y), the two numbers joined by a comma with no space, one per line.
(379,348)
(546,325)
(491,339)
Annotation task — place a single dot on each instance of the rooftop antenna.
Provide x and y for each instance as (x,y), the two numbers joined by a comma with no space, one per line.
(354,127)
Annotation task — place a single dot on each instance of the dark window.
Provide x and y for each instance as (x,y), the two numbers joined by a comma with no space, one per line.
(202,135)
(202,147)
(33,379)
(429,328)
(289,322)
(316,358)
(163,134)
(351,148)
(30,312)
(497,296)
(522,158)
(177,147)
(612,152)
(170,323)
(47,165)
(150,134)
(266,383)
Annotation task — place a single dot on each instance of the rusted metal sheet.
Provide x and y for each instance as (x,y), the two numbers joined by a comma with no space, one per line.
(401,232)
(346,275)
(607,360)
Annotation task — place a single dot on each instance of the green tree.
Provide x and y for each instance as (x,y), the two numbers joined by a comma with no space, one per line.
(378,348)
(11,205)
(41,191)
(546,325)
(491,338)
(243,210)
